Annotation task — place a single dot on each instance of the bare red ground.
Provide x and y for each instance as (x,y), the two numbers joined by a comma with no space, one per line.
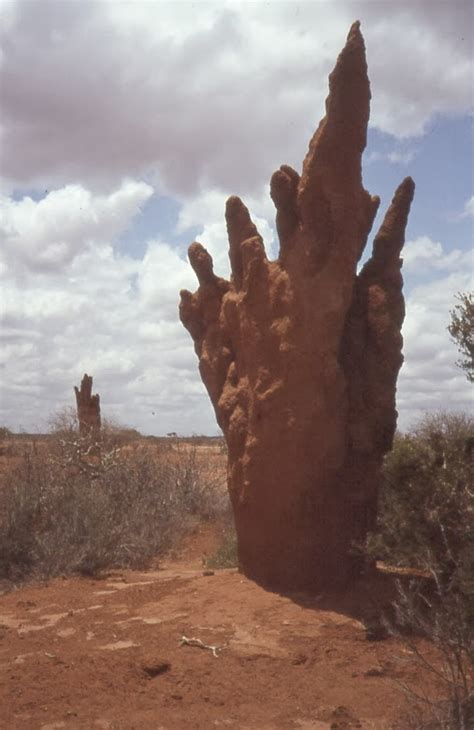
(82,653)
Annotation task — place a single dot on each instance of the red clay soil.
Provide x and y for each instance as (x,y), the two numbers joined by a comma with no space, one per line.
(81,653)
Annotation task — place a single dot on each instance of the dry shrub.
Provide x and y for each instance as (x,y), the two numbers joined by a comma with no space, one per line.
(225,555)
(76,504)
(426,522)
(444,617)
(426,514)
(200,482)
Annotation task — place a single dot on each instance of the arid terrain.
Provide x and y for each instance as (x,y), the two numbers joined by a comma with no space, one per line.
(313,568)
(107,650)
(107,653)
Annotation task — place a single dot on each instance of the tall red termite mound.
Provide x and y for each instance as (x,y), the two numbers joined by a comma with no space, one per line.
(300,355)
(88,407)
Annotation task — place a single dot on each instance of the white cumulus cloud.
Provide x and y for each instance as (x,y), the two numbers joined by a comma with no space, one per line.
(422,254)
(95,311)
(195,99)
(429,379)
(200,96)
(49,233)
(468,211)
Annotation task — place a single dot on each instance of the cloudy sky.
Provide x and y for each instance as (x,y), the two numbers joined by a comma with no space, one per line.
(124,125)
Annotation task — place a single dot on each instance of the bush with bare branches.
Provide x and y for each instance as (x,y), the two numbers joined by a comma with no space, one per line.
(78,503)
(426,521)
(445,620)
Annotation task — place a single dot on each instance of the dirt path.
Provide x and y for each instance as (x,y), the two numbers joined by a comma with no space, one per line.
(81,653)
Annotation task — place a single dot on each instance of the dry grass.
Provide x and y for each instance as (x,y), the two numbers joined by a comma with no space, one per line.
(72,504)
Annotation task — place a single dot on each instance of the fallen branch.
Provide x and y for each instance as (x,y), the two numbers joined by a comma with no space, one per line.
(198,642)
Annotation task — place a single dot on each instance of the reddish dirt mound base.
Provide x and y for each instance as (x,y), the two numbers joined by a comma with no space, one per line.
(81,653)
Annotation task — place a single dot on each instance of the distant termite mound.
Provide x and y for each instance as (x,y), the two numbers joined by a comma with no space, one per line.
(88,407)
(300,356)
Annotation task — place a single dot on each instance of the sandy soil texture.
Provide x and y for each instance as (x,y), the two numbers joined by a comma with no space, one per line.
(81,653)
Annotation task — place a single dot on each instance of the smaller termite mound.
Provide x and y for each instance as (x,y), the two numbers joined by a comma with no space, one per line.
(88,407)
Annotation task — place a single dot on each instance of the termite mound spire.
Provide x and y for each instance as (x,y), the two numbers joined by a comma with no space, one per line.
(88,407)
(300,356)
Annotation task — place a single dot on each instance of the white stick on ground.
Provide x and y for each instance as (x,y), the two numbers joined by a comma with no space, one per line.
(198,642)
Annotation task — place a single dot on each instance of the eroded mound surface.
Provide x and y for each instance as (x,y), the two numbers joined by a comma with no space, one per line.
(300,355)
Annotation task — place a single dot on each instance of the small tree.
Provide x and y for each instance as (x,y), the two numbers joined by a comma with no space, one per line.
(461,330)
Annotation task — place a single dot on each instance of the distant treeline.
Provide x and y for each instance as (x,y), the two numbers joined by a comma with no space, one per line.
(126,434)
